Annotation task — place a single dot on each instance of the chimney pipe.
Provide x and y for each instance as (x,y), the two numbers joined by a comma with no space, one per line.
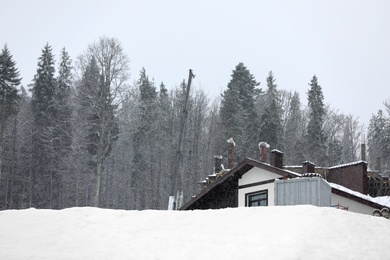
(217,164)
(363,151)
(263,151)
(363,147)
(378,165)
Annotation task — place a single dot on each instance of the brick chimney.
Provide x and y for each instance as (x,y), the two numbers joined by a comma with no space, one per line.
(263,151)
(277,158)
(230,153)
(308,167)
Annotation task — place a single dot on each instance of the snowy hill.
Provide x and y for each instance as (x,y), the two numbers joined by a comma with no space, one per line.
(299,232)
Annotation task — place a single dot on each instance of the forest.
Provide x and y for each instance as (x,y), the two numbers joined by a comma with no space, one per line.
(83,134)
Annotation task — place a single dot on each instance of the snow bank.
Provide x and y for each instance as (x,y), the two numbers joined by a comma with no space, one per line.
(295,232)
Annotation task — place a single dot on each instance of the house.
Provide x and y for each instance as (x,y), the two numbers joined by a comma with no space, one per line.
(256,183)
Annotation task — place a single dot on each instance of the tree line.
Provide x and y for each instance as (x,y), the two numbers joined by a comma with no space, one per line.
(82,135)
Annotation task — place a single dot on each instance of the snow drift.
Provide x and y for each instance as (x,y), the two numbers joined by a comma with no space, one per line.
(293,232)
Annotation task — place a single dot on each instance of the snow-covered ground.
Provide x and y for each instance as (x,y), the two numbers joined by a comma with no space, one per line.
(293,232)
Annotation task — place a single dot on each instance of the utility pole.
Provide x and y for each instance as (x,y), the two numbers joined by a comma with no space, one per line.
(172,203)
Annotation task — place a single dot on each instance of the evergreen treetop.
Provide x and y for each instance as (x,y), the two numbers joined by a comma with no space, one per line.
(44,86)
(315,136)
(9,81)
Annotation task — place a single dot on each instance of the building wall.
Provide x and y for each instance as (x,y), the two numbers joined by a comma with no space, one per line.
(352,205)
(301,191)
(353,177)
(257,175)
(256,180)
(269,187)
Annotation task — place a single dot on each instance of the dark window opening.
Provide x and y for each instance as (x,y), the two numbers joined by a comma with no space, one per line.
(256,199)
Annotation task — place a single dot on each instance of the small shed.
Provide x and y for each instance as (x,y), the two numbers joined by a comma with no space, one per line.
(302,191)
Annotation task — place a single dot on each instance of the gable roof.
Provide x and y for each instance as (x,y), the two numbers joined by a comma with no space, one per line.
(234,174)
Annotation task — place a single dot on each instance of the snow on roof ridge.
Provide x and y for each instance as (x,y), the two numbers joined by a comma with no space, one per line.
(276,150)
(378,200)
(308,162)
(346,164)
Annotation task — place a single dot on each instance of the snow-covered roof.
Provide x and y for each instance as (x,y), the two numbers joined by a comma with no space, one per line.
(346,165)
(384,201)
(306,162)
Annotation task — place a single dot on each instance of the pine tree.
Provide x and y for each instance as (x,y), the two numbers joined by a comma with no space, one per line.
(238,116)
(315,140)
(9,81)
(44,112)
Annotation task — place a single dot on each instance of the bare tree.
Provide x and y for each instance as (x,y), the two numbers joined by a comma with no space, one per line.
(351,138)
(102,98)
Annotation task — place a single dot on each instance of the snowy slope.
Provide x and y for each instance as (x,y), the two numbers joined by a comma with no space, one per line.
(295,232)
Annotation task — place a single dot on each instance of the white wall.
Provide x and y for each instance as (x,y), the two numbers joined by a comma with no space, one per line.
(257,175)
(253,176)
(269,187)
(352,205)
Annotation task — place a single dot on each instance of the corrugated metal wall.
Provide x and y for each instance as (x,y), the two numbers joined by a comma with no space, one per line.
(300,191)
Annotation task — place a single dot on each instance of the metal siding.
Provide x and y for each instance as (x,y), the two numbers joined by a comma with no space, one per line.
(312,191)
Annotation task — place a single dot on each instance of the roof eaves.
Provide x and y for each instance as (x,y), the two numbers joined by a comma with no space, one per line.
(358,199)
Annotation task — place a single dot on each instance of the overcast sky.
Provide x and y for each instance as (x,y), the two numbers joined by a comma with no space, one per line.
(345,43)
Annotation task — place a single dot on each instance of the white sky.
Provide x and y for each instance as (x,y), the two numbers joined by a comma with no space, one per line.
(345,43)
(286,232)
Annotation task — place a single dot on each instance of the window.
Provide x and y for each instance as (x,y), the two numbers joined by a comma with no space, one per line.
(256,199)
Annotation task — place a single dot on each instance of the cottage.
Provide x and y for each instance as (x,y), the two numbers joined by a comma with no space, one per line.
(256,183)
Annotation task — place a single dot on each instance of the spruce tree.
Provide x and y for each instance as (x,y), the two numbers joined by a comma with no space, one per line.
(63,122)
(44,112)
(64,101)
(271,119)
(9,81)
(238,116)
(143,140)
(271,126)
(315,139)
(294,132)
